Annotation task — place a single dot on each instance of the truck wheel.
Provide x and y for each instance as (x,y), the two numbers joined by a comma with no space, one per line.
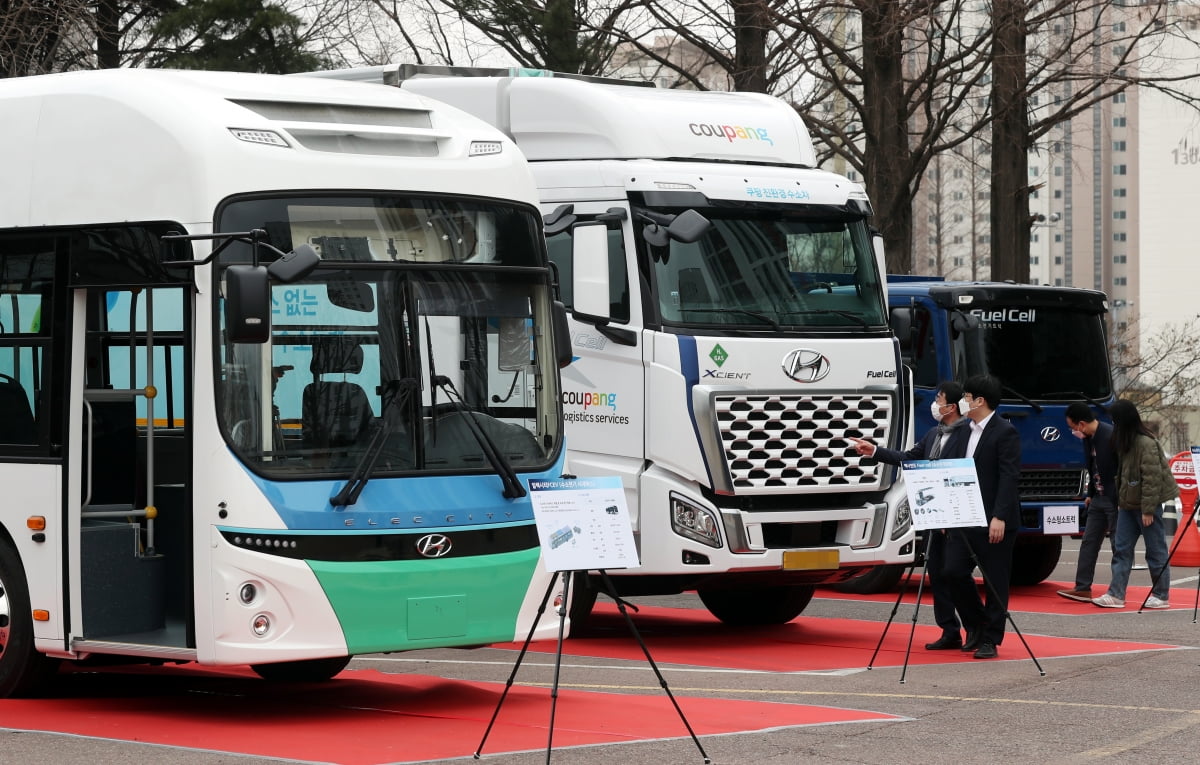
(22,668)
(583,600)
(878,579)
(1034,558)
(303,671)
(758,607)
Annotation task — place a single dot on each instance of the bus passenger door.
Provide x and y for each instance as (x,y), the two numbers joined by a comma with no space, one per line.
(134,573)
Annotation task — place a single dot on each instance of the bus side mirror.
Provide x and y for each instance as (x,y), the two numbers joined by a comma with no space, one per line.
(247,304)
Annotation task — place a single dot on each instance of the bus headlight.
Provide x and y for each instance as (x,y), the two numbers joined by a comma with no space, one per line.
(694,522)
(903,519)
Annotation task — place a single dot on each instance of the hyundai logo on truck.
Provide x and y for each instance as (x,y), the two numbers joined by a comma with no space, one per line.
(1050,434)
(434,545)
(806,366)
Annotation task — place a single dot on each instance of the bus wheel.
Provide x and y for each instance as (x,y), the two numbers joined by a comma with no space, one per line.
(877,579)
(304,671)
(758,607)
(22,668)
(1034,558)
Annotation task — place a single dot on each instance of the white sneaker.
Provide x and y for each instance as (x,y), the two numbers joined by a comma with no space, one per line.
(1153,602)
(1108,601)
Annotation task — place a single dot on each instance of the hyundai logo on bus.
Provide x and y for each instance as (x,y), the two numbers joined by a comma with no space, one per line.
(434,545)
(1050,433)
(805,365)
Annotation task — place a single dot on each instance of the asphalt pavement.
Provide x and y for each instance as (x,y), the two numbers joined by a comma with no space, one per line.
(1121,707)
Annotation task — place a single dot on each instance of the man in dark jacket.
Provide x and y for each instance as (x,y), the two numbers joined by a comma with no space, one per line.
(947,409)
(1100,510)
(996,448)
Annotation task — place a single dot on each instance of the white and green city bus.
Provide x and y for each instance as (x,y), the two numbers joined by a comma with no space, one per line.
(277,362)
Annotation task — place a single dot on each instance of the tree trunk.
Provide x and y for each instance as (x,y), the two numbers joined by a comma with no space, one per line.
(1011,222)
(108,34)
(885,124)
(751,24)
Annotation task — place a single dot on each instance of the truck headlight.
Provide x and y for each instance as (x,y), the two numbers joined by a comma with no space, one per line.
(694,522)
(903,519)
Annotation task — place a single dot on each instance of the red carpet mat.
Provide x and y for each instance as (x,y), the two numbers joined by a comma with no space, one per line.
(1039,598)
(368,718)
(808,644)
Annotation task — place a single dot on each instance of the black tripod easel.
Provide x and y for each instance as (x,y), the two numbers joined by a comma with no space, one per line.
(1167,566)
(917,607)
(609,590)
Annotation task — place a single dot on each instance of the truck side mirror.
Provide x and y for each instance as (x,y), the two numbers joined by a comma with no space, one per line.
(589,267)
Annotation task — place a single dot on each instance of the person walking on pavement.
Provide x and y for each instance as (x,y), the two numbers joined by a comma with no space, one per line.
(947,409)
(1099,509)
(996,448)
(1144,483)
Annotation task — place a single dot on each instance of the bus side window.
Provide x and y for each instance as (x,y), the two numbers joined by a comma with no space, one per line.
(27,266)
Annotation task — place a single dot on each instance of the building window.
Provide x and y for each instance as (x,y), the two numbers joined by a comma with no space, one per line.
(1058,282)
(1119,236)
(1058,193)
(1118,51)
(1118,146)
(985,238)
(1033,260)
(958,240)
(1057,147)
(1118,169)
(1118,258)
(958,261)
(1118,98)
(1033,170)
(985,195)
(852,175)
(1118,122)
(1119,281)
(1058,170)
(1118,215)
(1058,237)
(1033,194)
(1058,260)
(1118,192)
(1033,237)
(958,172)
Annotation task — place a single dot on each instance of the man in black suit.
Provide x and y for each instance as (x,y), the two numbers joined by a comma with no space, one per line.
(947,409)
(996,448)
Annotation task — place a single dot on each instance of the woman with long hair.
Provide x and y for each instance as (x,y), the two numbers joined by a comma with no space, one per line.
(1144,483)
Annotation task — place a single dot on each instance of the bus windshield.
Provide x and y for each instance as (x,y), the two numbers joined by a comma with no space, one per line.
(1038,353)
(770,269)
(410,348)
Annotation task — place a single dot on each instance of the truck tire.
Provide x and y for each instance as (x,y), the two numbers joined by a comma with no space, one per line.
(878,579)
(22,669)
(303,671)
(758,607)
(583,600)
(1034,558)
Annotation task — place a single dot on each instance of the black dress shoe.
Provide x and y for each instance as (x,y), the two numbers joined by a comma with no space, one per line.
(972,641)
(986,651)
(945,642)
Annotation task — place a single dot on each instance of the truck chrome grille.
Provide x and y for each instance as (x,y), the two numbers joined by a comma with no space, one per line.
(789,441)
(1043,485)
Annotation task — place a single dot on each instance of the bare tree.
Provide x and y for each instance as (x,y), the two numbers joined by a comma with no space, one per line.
(38,36)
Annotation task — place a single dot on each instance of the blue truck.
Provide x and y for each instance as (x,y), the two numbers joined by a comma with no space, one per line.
(1048,347)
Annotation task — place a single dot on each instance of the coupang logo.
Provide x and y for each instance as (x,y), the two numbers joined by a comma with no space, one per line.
(731,133)
(597,408)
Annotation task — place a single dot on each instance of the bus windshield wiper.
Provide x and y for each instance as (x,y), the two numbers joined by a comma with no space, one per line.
(743,311)
(508,476)
(845,314)
(401,392)
(1025,399)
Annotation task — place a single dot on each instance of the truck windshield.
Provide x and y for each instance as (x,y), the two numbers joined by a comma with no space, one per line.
(362,350)
(770,270)
(1039,353)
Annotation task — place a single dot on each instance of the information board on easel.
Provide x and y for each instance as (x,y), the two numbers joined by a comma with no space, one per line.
(583,524)
(944,494)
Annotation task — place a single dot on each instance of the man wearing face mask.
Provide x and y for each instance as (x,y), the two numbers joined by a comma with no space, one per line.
(947,409)
(1100,512)
(996,448)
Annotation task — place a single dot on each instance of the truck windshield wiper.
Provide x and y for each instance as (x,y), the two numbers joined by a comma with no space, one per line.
(508,476)
(819,311)
(401,392)
(1025,399)
(744,312)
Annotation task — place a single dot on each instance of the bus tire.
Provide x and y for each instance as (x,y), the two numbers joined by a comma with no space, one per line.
(303,671)
(1035,558)
(758,607)
(877,579)
(22,669)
